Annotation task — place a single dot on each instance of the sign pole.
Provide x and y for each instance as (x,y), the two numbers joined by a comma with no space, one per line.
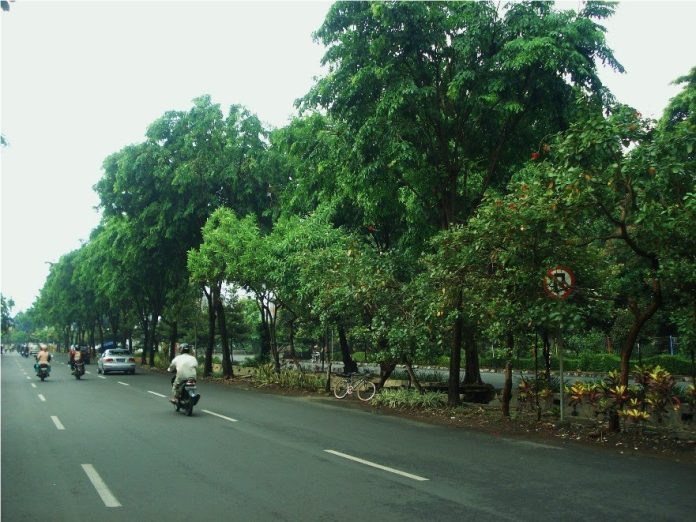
(559,345)
(559,283)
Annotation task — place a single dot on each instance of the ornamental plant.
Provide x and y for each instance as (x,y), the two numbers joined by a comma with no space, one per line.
(576,394)
(660,393)
(653,394)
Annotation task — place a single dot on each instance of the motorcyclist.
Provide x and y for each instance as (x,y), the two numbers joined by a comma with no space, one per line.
(185,365)
(43,357)
(75,357)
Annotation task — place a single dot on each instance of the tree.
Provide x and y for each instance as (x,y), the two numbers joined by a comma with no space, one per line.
(164,189)
(673,161)
(444,100)
(6,318)
(623,182)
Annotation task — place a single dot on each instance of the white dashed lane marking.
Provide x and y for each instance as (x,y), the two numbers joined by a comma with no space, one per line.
(104,492)
(374,465)
(218,415)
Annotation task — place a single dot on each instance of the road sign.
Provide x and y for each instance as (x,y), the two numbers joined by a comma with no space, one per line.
(559,282)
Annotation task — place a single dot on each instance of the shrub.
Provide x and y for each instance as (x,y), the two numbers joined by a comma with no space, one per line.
(409,398)
(654,393)
(674,364)
(266,374)
(358,357)
(531,390)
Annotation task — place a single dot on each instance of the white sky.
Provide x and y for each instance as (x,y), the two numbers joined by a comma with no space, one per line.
(80,80)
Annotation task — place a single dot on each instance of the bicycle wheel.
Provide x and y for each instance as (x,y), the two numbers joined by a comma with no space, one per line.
(366,390)
(340,387)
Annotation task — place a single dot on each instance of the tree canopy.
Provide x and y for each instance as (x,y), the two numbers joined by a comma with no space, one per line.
(452,154)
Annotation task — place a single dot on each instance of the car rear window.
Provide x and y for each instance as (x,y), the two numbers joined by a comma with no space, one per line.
(118,352)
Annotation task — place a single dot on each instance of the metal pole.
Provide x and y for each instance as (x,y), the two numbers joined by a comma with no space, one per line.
(560,368)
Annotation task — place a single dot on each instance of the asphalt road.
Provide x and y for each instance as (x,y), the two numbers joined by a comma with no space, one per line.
(112,448)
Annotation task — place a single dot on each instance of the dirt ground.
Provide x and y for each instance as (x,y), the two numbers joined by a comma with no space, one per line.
(649,442)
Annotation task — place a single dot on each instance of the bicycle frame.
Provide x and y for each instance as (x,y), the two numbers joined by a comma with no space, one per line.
(354,383)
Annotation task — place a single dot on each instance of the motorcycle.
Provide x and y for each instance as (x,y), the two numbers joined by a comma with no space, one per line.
(187,397)
(78,370)
(43,371)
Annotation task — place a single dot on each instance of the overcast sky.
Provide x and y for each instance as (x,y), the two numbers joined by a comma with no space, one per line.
(80,80)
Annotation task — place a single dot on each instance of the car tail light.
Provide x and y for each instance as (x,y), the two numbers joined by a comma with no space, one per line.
(109,360)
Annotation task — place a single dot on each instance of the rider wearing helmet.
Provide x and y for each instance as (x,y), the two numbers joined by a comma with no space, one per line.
(185,366)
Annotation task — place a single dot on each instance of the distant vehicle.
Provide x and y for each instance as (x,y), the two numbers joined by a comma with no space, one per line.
(86,353)
(108,345)
(43,371)
(78,369)
(33,349)
(116,360)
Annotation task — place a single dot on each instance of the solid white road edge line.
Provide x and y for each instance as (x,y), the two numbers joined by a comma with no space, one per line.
(378,466)
(42,398)
(155,393)
(57,422)
(532,444)
(218,415)
(107,497)
(124,383)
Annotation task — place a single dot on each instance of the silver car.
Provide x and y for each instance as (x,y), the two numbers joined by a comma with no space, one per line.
(116,360)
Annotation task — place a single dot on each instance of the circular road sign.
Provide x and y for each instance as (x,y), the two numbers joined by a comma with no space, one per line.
(559,282)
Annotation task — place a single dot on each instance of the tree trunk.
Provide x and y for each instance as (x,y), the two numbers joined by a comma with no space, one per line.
(146,340)
(222,326)
(349,365)
(633,333)
(173,334)
(507,389)
(472,373)
(265,335)
(293,354)
(208,364)
(155,340)
(536,373)
(101,334)
(637,326)
(385,371)
(114,324)
(327,352)
(456,356)
(269,346)
(412,376)
(66,337)
(546,351)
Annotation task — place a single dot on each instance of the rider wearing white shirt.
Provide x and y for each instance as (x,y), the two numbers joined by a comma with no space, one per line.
(185,366)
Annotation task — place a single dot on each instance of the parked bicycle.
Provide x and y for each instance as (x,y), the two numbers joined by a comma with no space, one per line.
(354,383)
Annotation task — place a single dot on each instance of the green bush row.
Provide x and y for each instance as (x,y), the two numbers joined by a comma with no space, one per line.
(409,398)
(586,362)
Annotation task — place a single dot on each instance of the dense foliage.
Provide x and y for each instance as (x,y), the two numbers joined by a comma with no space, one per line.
(453,153)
